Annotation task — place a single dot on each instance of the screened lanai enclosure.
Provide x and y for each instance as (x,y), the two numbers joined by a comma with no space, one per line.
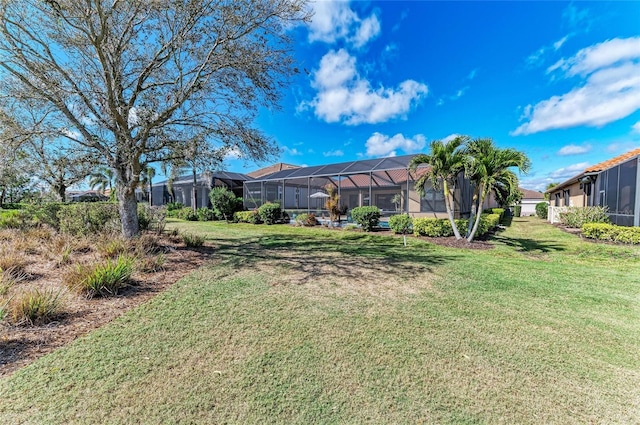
(385,183)
(182,188)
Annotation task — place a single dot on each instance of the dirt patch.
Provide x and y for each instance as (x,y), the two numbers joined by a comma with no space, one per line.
(22,345)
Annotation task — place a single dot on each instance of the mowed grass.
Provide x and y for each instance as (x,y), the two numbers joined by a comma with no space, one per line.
(289,325)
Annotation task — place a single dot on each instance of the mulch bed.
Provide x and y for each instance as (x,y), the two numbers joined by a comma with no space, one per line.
(22,345)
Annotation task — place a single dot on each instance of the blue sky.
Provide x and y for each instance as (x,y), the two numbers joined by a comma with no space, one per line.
(557,80)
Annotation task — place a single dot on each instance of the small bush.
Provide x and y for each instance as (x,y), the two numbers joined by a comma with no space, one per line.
(432,227)
(172,206)
(205,214)
(89,217)
(186,213)
(46,213)
(242,216)
(270,212)
(35,307)
(542,209)
(151,263)
(145,216)
(193,241)
(401,223)
(101,279)
(611,232)
(499,211)
(224,203)
(576,217)
(307,220)
(367,217)
(10,219)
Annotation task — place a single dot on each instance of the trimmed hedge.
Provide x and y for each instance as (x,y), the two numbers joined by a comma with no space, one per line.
(542,210)
(499,211)
(441,227)
(247,217)
(611,232)
(401,223)
(367,217)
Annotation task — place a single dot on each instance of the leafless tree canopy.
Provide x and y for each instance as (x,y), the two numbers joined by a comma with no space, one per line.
(132,81)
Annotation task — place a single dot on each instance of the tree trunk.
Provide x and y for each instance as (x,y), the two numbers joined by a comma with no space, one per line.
(194,196)
(447,197)
(62,192)
(474,210)
(478,218)
(3,193)
(128,209)
(150,196)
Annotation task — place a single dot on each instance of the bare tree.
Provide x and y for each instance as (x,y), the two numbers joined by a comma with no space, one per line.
(128,80)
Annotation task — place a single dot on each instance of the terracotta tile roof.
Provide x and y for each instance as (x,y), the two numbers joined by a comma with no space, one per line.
(531,194)
(262,172)
(613,161)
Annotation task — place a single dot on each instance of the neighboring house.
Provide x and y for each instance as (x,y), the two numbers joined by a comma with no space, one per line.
(614,183)
(530,198)
(183,187)
(262,172)
(85,196)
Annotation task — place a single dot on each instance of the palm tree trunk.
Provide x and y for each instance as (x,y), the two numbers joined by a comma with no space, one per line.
(447,203)
(474,209)
(478,217)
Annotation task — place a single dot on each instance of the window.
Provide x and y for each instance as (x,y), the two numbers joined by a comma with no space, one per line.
(433,200)
(567,197)
(557,199)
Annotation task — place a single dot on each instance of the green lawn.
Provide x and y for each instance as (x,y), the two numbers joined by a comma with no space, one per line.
(289,325)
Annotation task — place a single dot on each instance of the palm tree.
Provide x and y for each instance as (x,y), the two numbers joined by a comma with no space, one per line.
(446,161)
(146,180)
(102,178)
(489,168)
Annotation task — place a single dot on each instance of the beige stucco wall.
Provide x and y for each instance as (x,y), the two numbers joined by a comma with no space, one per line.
(577,197)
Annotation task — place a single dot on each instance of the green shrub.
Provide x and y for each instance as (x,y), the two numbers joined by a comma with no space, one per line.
(145,216)
(243,216)
(35,307)
(611,232)
(487,222)
(192,241)
(517,210)
(46,213)
(101,279)
(307,220)
(542,209)
(499,211)
(13,219)
(186,213)
(576,217)
(432,227)
(89,217)
(270,212)
(367,217)
(173,206)
(205,214)
(401,223)
(224,203)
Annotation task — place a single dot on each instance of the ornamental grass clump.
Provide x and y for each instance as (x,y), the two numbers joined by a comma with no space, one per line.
(193,241)
(34,307)
(101,279)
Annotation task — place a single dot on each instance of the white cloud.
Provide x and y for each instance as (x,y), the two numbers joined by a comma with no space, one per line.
(292,151)
(343,95)
(369,29)
(570,171)
(336,152)
(335,20)
(233,153)
(601,55)
(636,127)
(538,57)
(450,137)
(558,44)
(538,184)
(382,145)
(574,150)
(610,92)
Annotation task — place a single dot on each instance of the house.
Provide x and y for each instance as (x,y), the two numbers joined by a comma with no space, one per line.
(384,182)
(181,189)
(530,198)
(614,183)
(85,196)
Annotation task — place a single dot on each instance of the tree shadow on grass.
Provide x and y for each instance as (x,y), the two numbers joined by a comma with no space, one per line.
(529,245)
(349,257)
